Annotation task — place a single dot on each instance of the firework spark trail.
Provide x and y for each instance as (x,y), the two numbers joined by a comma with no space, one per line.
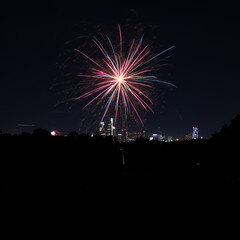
(122,80)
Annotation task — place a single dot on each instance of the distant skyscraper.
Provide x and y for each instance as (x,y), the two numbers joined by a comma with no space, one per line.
(111,126)
(111,130)
(114,131)
(144,133)
(101,129)
(195,133)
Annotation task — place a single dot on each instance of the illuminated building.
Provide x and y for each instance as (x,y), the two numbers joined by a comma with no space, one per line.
(119,137)
(144,133)
(111,130)
(169,139)
(108,132)
(102,129)
(111,126)
(124,135)
(114,131)
(195,133)
(132,136)
(157,136)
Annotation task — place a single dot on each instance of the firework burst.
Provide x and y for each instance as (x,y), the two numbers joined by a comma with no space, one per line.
(121,79)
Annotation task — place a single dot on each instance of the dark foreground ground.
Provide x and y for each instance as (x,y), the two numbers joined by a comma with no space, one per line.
(70,180)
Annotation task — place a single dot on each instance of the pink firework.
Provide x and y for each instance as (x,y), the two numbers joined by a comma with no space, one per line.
(122,78)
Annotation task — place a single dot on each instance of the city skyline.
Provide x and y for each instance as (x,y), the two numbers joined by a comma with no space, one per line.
(108,129)
(203,65)
(141,132)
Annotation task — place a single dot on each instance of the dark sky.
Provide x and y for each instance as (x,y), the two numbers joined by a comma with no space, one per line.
(204,63)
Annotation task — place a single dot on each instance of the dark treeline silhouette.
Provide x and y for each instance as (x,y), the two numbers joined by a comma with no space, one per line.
(79,165)
(41,164)
(229,134)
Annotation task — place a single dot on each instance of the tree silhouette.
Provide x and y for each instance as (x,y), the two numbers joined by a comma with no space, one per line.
(41,133)
(228,133)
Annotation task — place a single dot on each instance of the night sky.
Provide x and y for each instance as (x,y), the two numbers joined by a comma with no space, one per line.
(204,64)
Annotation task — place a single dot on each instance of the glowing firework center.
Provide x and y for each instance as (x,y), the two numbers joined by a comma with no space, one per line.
(121,81)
